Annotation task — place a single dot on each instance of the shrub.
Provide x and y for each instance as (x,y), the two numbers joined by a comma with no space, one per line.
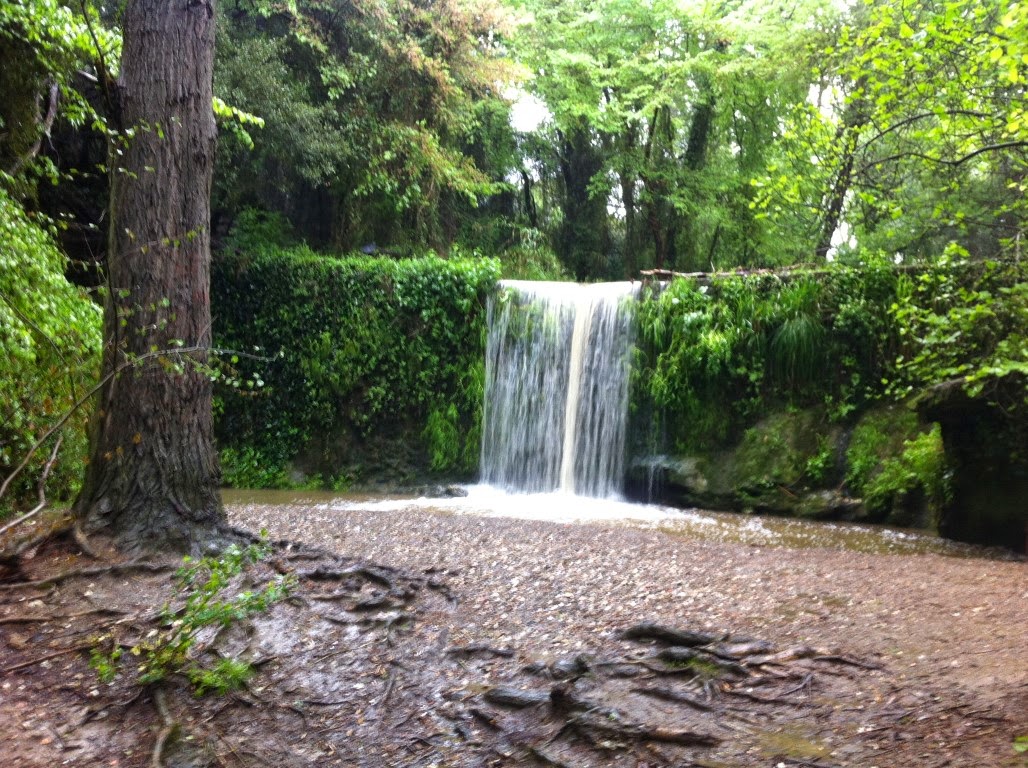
(49,354)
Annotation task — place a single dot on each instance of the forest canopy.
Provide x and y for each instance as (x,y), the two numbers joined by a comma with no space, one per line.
(669,134)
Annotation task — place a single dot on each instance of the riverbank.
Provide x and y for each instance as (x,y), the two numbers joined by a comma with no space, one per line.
(388,652)
(951,633)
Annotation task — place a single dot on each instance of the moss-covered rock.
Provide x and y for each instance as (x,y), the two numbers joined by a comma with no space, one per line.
(784,464)
(888,468)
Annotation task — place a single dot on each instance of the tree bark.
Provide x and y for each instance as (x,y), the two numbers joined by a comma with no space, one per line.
(152,478)
(848,135)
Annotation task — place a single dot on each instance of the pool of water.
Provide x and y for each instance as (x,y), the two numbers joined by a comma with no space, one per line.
(755,530)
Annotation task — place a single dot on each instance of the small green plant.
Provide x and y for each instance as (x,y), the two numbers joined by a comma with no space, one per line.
(820,465)
(226,675)
(207,597)
(105,662)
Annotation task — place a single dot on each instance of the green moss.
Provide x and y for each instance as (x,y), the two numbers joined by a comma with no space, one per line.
(779,450)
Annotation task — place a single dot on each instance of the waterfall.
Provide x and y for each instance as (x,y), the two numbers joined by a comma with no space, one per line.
(556,390)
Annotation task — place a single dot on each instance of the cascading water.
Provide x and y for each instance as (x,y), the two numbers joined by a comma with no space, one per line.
(556,392)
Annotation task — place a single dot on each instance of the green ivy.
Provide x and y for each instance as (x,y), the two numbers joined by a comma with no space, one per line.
(349,350)
(714,356)
(965,321)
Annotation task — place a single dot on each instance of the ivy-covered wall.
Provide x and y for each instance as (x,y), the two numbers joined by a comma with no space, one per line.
(348,372)
(838,392)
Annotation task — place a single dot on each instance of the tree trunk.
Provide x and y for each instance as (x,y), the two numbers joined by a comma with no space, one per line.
(848,137)
(152,478)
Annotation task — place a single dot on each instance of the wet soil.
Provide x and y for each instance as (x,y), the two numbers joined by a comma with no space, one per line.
(416,638)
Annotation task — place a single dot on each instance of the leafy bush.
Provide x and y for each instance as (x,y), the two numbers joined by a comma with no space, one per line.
(966,321)
(49,353)
(350,351)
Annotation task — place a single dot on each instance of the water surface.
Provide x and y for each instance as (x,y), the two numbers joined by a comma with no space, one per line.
(754,530)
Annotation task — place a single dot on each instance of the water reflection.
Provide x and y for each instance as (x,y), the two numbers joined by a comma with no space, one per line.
(755,530)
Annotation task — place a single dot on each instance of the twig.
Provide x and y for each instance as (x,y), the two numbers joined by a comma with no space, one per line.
(41,659)
(166,732)
(86,397)
(27,516)
(47,125)
(41,487)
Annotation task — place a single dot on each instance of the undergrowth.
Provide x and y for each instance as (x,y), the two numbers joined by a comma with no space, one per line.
(210,596)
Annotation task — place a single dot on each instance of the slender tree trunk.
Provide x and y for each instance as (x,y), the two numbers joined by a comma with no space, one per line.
(848,136)
(152,478)
(583,237)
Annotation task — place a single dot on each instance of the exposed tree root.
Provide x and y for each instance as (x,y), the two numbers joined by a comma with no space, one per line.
(168,729)
(480,648)
(592,699)
(649,631)
(639,732)
(670,694)
(85,573)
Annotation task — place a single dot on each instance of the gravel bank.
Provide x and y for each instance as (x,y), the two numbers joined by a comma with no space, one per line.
(549,587)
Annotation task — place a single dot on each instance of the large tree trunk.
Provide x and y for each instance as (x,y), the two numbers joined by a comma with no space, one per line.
(152,479)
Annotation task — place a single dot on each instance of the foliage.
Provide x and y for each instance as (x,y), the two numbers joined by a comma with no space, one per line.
(897,468)
(663,113)
(358,347)
(966,322)
(917,137)
(919,468)
(877,436)
(209,596)
(820,465)
(46,44)
(714,356)
(49,351)
(382,109)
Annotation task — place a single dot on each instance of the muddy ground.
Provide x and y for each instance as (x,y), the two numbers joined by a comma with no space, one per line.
(424,639)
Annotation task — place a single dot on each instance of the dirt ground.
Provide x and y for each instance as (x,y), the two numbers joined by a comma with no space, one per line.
(423,639)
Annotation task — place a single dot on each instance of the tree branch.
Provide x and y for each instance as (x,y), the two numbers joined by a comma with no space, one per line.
(882,133)
(42,490)
(952,163)
(82,401)
(47,125)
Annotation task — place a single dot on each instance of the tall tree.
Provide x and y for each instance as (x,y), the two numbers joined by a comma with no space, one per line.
(372,112)
(681,104)
(921,137)
(152,479)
